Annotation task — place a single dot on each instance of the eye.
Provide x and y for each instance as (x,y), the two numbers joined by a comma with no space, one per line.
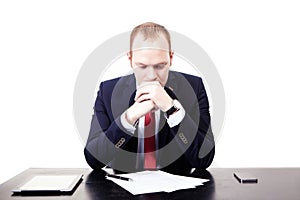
(143,66)
(160,66)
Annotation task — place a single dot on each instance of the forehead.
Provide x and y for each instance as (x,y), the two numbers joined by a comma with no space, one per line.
(159,42)
(150,56)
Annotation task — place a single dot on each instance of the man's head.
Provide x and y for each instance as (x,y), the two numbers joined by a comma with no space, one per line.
(150,53)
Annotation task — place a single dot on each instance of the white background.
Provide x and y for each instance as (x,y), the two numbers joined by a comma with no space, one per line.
(255,46)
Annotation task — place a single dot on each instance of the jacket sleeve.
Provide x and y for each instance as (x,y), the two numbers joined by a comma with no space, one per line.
(194,135)
(107,136)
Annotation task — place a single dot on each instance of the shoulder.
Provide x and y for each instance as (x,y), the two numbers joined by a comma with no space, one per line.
(184,75)
(180,77)
(123,80)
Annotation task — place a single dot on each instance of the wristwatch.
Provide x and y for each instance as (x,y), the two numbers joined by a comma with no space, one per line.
(175,107)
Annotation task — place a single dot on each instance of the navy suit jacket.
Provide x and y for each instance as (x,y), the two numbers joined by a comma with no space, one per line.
(181,148)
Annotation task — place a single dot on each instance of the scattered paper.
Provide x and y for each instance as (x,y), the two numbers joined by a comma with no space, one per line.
(156,181)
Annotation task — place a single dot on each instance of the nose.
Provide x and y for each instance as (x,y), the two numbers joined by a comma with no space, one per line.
(151,74)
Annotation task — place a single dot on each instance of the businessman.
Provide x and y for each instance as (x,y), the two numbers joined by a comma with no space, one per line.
(154,118)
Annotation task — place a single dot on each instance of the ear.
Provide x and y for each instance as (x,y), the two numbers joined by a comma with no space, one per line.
(129,56)
(171,56)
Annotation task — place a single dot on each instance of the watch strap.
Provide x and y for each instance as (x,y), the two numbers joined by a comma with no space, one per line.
(171,111)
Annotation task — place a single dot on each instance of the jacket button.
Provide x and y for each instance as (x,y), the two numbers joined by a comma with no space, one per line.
(183,138)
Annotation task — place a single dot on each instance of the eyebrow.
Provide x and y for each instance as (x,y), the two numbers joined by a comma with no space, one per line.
(142,64)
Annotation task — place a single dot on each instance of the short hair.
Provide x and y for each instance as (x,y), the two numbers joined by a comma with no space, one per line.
(150,30)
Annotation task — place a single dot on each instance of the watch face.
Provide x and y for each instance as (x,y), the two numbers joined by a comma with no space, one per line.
(176,106)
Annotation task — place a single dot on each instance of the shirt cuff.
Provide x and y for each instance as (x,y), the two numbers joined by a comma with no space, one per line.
(176,117)
(130,128)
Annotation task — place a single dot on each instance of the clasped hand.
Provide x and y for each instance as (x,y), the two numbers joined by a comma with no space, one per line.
(150,96)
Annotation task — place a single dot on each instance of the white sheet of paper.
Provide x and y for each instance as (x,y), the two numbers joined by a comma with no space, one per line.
(47,182)
(156,181)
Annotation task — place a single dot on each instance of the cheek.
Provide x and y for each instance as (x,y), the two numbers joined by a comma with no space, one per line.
(139,75)
(163,75)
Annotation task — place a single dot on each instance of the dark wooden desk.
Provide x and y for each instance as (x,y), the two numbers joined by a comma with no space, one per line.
(273,183)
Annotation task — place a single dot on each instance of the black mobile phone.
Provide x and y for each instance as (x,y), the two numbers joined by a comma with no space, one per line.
(244,177)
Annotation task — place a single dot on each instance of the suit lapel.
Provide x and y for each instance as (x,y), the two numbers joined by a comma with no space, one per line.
(171,83)
(122,93)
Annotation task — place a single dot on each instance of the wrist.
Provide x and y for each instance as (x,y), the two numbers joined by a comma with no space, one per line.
(168,105)
(130,118)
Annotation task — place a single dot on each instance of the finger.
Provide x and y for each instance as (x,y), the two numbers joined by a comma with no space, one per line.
(148,83)
(142,91)
(145,97)
(155,108)
(146,87)
(146,106)
(139,94)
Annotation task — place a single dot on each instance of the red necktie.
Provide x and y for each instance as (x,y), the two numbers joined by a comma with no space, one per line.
(149,141)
